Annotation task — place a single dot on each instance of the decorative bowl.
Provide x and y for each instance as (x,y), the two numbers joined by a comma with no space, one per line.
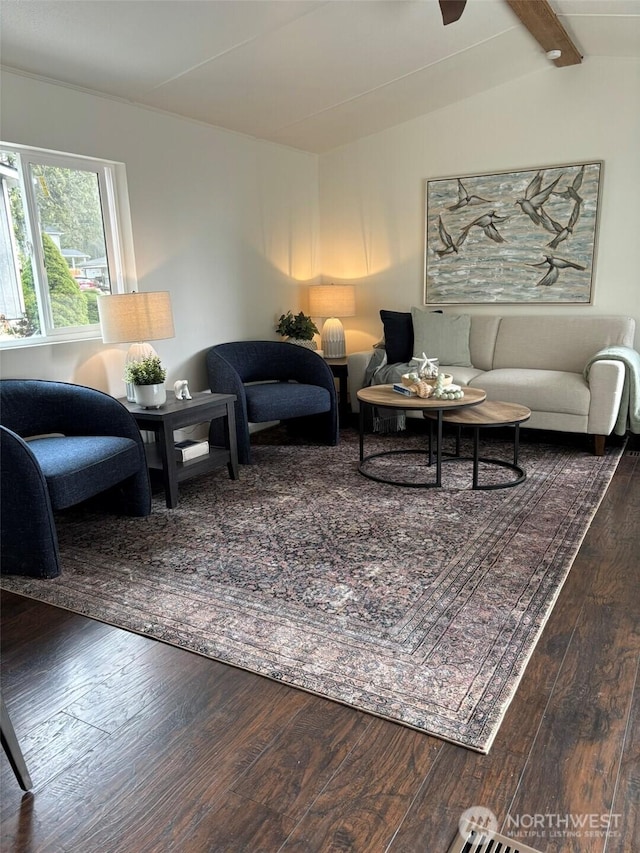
(406,380)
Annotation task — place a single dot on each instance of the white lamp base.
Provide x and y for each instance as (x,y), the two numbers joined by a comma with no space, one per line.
(137,352)
(333,342)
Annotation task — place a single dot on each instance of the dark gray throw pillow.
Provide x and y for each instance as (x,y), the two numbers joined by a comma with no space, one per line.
(398,335)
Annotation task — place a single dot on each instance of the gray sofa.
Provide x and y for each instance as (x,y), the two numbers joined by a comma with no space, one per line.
(539,362)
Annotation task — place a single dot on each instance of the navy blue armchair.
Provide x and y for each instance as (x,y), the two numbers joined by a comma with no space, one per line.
(273,381)
(82,443)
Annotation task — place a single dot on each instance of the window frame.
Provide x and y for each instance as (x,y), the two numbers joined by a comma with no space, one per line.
(118,234)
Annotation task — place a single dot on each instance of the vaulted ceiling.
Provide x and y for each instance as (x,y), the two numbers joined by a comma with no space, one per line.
(312,74)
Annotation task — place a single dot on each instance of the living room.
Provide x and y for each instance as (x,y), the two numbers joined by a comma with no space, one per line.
(237,228)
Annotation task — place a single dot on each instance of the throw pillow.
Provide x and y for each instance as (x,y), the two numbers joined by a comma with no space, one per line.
(398,335)
(442,336)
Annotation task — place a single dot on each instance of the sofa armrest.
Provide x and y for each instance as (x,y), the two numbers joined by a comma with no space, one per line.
(357,365)
(605,381)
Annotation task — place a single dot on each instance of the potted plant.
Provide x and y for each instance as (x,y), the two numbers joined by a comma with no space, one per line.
(298,329)
(147,377)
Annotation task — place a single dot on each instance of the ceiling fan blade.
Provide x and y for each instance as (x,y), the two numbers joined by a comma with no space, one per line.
(451,10)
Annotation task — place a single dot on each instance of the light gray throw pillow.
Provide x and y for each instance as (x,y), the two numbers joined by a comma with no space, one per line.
(442,336)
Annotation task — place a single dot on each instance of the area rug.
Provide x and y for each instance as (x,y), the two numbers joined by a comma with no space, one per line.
(422,606)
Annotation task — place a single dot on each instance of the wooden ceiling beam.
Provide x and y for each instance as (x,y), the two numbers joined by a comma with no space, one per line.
(544,25)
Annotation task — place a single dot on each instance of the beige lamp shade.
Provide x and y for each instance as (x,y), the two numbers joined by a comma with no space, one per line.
(332,300)
(136,318)
(129,317)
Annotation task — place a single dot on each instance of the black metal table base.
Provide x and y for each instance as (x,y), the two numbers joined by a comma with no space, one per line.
(437,483)
(521,474)
(442,456)
(503,484)
(380,479)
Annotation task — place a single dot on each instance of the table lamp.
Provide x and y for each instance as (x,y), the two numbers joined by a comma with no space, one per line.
(136,318)
(332,301)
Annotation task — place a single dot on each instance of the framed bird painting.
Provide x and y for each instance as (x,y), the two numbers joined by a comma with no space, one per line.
(512,237)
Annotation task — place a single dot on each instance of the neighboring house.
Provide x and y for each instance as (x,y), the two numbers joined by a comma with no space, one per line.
(74,257)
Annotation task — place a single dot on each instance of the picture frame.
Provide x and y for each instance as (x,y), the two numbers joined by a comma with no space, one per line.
(513,237)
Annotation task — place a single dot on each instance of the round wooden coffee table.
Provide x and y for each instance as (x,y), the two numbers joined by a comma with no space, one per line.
(385,397)
(491,413)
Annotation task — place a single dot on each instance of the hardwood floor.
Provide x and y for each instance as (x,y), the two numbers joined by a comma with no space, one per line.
(137,746)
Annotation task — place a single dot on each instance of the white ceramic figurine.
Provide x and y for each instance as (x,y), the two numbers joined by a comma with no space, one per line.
(181,390)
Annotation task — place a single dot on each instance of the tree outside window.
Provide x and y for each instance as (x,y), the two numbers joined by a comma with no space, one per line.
(60,246)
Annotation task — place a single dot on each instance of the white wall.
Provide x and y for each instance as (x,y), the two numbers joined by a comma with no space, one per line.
(228,224)
(231,225)
(372,191)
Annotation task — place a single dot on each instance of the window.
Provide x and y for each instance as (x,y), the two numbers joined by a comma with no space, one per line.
(62,244)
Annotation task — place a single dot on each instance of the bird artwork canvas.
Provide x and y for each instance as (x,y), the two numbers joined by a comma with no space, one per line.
(512,237)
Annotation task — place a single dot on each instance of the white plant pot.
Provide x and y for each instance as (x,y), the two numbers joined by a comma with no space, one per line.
(150,396)
(306,344)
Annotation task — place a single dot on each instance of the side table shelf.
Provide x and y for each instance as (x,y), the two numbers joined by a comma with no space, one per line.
(174,414)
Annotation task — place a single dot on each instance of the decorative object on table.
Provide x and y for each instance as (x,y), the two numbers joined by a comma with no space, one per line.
(513,237)
(412,377)
(332,301)
(409,389)
(298,329)
(147,377)
(443,620)
(427,367)
(441,386)
(446,390)
(136,318)
(181,389)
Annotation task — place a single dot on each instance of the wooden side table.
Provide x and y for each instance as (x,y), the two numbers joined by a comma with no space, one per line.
(174,414)
(340,370)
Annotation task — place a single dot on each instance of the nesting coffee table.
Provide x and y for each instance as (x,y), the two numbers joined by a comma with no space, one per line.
(491,413)
(385,397)
(473,411)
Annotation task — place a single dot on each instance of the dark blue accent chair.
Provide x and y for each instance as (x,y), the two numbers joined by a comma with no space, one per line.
(273,381)
(93,445)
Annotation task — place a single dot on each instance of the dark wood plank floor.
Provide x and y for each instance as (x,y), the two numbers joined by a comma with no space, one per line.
(137,747)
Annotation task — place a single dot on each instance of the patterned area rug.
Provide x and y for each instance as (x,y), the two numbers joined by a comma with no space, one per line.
(421,606)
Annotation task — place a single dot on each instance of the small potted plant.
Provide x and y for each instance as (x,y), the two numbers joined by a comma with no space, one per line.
(147,377)
(298,329)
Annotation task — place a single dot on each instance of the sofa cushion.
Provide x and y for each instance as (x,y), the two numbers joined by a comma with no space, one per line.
(461,375)
(442,336)
(79,467)
(283,400)
(540,390)
(482,340)
(398,335)
(557,342)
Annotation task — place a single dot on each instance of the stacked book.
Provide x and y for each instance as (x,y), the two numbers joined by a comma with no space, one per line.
(404,389)
(190,449)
